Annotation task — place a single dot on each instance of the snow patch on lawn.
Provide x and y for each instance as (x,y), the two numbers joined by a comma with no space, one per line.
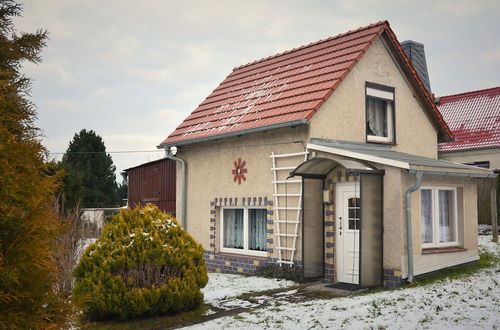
(235,303)
(486,245)
(222,286)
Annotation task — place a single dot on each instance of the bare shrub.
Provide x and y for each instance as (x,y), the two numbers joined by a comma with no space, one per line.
(70,244)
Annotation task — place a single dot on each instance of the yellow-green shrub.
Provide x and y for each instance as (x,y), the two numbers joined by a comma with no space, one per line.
(143,264)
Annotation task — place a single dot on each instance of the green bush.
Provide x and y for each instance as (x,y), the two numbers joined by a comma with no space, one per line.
(144,264)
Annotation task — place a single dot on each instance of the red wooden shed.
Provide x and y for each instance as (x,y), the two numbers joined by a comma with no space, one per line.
(152,182)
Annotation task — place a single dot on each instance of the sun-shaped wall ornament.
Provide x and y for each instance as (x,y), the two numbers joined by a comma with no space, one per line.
(239,171)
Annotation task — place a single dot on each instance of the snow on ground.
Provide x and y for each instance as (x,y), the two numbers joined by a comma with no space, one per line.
(222,287)
(469,303)
(486,245)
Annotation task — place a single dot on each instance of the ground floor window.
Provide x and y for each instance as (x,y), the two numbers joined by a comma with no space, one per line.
(243,230)
(438,214)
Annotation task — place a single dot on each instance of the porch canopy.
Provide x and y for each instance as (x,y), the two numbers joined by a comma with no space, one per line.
(320,167)
(368,183)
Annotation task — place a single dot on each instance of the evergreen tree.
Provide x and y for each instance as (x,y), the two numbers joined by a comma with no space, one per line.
(122,191)
(91,176)
(28,225)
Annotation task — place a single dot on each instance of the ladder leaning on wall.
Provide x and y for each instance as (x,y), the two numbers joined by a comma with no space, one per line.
(288,204)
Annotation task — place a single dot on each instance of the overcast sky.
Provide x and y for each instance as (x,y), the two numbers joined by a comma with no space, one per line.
(132,70)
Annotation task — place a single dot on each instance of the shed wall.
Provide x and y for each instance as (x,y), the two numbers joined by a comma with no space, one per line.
(153,183)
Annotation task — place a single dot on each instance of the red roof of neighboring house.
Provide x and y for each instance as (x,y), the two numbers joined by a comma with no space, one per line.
(474,119)
(286,89)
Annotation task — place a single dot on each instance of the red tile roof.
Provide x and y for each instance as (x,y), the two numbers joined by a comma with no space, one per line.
(285,89)
(474,119)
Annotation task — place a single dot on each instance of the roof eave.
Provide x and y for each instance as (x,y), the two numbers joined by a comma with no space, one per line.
(473,172)
(235,133)
(454,173)
(147,163)
(468,149)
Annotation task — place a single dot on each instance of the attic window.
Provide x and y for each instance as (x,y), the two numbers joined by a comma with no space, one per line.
(379,113)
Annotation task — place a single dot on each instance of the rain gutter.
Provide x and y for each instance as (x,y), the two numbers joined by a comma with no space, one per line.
(235,133)
(183,185)
(461,174)
(409,231)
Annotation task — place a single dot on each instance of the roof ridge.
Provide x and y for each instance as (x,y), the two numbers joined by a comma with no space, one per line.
(260,67)
(479,91)
(385,22)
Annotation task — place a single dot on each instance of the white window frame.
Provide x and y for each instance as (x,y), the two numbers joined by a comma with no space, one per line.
(386,96)
(435,217)
(245,250)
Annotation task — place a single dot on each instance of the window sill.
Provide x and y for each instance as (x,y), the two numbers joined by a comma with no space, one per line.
(371,140)
(243,256)
(443,250)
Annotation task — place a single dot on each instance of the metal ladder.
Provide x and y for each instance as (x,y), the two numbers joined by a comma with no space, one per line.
(286,249)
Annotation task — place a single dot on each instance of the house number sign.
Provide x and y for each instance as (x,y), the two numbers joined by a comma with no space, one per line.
(239,171)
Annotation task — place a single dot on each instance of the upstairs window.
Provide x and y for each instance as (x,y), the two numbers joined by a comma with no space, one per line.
(379,113)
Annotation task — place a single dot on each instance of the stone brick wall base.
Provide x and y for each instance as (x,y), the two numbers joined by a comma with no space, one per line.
(392,278)
(224,263)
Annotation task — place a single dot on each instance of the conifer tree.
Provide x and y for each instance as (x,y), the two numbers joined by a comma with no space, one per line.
(91,179)
(28,226)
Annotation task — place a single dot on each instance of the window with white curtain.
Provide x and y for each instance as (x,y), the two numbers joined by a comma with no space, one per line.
(379,113)
(438,217)
(243,230)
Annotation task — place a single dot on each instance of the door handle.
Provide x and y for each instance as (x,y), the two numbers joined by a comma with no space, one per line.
(340,226)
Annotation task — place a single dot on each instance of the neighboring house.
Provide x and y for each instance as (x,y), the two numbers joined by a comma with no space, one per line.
(474,119)
(307,157)
(152,182)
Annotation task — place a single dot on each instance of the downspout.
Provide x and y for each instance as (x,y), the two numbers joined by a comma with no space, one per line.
(409,232)
(184,187)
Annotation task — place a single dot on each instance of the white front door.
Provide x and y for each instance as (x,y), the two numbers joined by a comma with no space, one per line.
(347,232)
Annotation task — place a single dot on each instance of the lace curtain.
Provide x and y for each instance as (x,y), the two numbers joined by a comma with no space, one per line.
(257,233)
(426,215)
(445,210)
(377,117)
(233,228)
